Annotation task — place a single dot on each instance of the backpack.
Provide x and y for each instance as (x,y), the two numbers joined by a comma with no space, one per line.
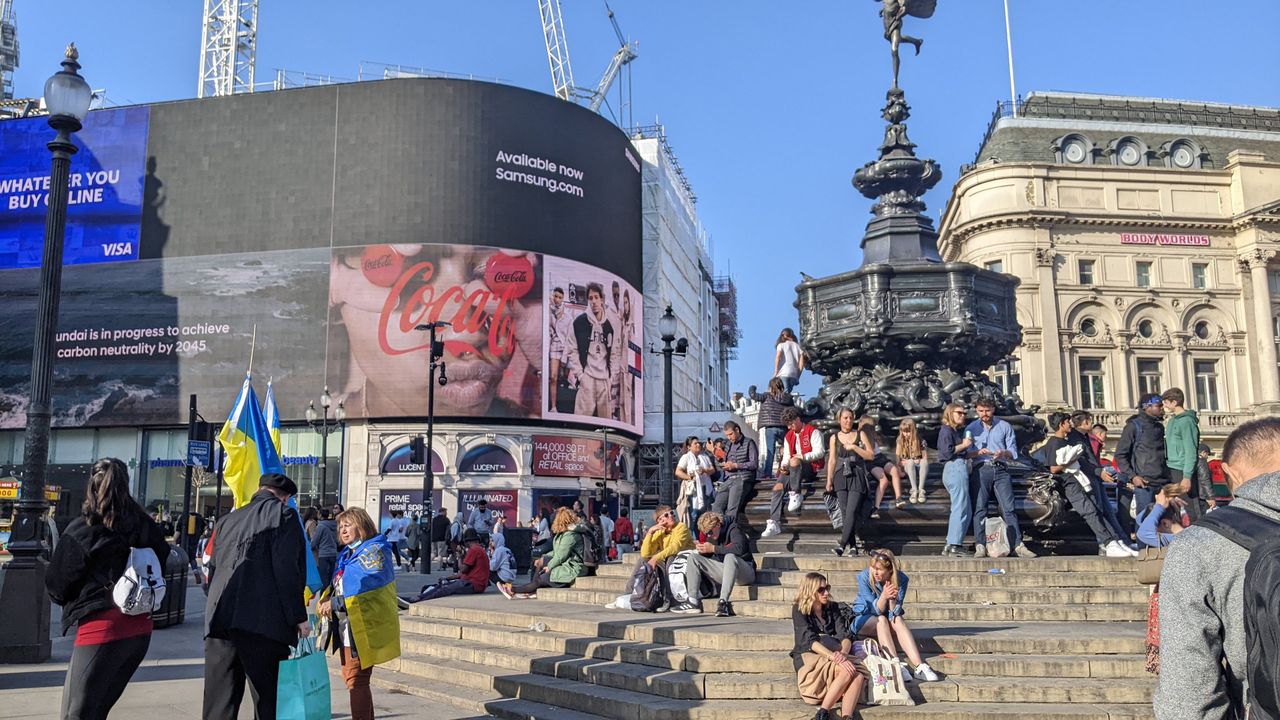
(140,590)
(591,552)
(648,593)
(1261,537)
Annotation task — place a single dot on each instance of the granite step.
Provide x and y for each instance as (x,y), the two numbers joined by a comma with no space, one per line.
(780,609)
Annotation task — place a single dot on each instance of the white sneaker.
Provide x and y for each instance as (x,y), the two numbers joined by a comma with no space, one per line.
(770,529)
(794,501)
(1133,551)
(906,671)
(924,673)
(1114,549)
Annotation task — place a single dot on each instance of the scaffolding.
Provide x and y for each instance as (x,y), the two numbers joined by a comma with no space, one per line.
(8,48)
(726,293)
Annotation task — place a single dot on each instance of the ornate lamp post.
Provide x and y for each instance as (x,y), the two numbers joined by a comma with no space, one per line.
(667,330)
(340,416)
(24,636)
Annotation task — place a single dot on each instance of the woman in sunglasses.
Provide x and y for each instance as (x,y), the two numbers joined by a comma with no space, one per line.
(882,587)
(826,668)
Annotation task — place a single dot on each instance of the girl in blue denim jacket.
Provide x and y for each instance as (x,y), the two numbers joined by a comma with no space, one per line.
(882,588)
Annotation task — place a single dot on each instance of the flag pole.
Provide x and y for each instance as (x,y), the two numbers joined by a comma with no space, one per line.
(1008,41)
(252,343)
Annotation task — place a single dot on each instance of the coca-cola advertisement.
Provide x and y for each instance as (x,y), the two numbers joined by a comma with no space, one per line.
(380,294)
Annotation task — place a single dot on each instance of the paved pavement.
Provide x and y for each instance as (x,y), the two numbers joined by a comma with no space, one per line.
(170,682)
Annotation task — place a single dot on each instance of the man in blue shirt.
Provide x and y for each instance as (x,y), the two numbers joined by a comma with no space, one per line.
(993,440)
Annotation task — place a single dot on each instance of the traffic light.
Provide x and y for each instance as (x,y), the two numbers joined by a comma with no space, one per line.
(417,450)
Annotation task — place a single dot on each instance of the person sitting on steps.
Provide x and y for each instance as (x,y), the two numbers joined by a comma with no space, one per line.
(825,664)
(564,565)
(664,540)
(1062,457)
(882,589)
(802,459)
(882,467)
(725,561)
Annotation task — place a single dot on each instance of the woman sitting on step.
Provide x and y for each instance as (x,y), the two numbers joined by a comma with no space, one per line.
(562,567)
(882,588)
(826,669)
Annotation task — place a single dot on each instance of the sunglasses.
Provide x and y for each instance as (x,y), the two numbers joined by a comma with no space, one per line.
(824,589)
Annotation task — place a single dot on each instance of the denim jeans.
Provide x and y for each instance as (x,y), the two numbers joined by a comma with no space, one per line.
(772,437)
(1108,509)
(994,480)
(955,478)
(789,383)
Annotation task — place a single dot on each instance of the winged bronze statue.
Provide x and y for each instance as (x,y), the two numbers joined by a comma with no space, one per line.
(893,11)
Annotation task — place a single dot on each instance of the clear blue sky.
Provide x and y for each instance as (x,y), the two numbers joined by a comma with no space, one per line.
(770,106)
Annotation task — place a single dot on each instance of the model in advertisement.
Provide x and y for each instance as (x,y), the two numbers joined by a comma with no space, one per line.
(558,327)
(380,294)
(593,357)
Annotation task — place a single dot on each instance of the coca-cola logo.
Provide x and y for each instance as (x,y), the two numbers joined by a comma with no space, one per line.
(381,262)
(466,313)
(514,276)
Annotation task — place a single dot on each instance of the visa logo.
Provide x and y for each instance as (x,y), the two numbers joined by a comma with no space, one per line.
(120,249)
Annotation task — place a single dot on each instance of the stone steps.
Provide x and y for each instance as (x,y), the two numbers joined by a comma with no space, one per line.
(593,663)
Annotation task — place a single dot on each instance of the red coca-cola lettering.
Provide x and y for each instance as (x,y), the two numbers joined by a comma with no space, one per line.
(465,313)
(381,265)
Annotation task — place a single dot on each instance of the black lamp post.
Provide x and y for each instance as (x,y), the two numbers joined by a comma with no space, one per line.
(24,636)
(436,354)
(339,416)
(604,476)
(667,330)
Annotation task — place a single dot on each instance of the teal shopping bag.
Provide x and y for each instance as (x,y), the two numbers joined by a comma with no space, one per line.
(302,693)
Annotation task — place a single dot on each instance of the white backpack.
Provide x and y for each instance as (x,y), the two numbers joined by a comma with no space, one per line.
(141,589)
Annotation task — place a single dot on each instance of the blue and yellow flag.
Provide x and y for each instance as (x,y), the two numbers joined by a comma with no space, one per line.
(271,414)
(368,588)
(247,445)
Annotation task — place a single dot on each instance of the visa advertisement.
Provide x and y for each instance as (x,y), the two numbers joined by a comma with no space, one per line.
(104,200)
(508,214)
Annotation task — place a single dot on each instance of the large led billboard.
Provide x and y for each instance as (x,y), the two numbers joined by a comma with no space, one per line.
(329,223)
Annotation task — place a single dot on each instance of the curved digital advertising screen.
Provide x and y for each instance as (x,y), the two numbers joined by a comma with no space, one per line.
(330,223)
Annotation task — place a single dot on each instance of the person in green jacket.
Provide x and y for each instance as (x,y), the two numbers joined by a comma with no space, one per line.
(564,565)
(1182,445)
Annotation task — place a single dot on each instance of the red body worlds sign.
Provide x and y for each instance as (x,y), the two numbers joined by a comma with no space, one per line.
(1163,239)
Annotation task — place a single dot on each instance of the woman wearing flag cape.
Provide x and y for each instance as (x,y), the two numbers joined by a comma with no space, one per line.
(363,604)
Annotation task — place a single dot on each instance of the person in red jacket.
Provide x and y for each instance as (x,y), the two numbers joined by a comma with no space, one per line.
(803,459)
(623,532)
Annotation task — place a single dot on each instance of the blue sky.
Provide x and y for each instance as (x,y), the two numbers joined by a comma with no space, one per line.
(770,106)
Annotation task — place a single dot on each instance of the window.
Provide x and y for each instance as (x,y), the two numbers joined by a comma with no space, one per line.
(1144,274)
(1149,377)
(1146,329)
(1089,327)
(1275,322)
(1092,396)
(1206,372)
(1273,280)
(1008,375)
(1201,330)
(1086,272)
(1199,276)
(995,265)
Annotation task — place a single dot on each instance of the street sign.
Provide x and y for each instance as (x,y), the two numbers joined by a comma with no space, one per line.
(198,453)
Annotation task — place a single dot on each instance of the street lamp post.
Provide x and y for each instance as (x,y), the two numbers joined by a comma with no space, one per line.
(339,415)
(24,635)
(604,479)
(436,355)
(667,330)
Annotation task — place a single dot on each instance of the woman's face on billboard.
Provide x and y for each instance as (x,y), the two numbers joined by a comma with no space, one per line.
(381,311)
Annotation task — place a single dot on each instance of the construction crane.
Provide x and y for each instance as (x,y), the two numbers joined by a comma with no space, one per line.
(8,48)
(562,69)
(228,47)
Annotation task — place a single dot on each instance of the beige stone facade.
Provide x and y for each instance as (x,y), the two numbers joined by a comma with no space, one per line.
(1146,235)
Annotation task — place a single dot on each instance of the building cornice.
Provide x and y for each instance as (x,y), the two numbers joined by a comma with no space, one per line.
(950,245)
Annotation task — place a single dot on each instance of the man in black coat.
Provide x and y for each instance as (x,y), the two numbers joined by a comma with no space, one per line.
(440,538)
(255,611)
(722,560)
(1140,454)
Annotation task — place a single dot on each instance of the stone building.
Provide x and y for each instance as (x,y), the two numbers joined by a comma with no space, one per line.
(1145,233)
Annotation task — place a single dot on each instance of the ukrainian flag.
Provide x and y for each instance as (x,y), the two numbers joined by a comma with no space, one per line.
(272,415)
(368,588)
(246,444)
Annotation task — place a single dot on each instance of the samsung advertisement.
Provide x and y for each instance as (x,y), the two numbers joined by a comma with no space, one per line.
(196,226)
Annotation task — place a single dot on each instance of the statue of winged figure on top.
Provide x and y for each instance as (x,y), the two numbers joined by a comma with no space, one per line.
(893,12)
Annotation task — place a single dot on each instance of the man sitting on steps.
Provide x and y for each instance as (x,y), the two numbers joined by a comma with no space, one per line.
(724,560)
(802,462)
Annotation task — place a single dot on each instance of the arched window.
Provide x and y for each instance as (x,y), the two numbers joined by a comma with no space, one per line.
(487,459)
